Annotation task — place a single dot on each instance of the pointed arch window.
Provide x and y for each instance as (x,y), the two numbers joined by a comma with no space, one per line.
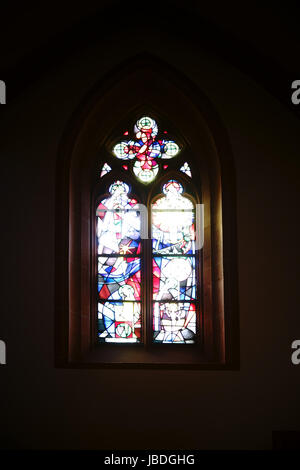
(148,291)
(145,255)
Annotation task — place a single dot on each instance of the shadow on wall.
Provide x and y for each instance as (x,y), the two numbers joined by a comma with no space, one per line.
(286,440)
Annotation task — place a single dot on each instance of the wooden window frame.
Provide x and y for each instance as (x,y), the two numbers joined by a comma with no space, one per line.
(169,98)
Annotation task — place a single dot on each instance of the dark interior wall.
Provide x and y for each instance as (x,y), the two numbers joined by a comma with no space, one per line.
(44,407)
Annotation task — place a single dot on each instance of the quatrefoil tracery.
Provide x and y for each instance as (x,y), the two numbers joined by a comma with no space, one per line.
(146,149)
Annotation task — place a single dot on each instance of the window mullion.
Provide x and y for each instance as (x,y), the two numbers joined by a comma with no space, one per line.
(148,284)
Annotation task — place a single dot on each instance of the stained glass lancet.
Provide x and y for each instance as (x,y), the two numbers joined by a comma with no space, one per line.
(119,267)
(173,272)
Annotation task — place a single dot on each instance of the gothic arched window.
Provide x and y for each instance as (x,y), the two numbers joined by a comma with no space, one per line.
(146,228)
(148,292)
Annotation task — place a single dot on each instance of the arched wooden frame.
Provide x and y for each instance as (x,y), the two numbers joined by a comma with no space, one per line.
(133,90)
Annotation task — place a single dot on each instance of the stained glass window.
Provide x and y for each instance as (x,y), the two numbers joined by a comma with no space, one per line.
(173,272)
(119,266)
(186,169)
(126,296)
(105,169)
(146,149)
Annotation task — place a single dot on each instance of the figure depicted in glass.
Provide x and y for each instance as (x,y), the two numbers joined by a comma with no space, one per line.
(126,295)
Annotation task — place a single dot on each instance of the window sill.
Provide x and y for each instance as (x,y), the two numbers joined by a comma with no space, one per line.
(154,357)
